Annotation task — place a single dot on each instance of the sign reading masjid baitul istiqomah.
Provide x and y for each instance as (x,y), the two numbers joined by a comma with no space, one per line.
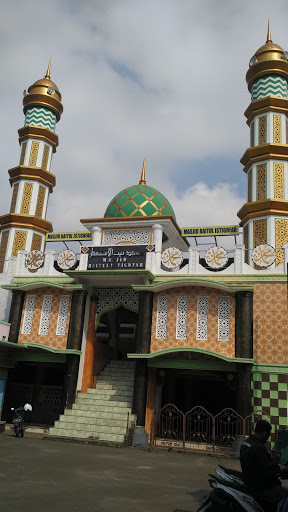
(117,257)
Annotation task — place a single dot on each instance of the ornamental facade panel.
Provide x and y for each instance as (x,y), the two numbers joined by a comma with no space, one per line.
(40,202)
(36,242)
(19,242)
(202,318)
(109,298)
(45,314)
(63,314)
(281,229)
(26,197)
(286,131)
(272,85)
(277,129)
(28,314)
(129,236)
(261,182)
(23,152)
(51,339)
(45,156)
(213,344)
(262,130)
(33,154)
(182,316)
(162,317)
(224,318)
(3,248)
(14,197)
(260,234)
(252,138)
(249,186)
(278,181)
(40,116)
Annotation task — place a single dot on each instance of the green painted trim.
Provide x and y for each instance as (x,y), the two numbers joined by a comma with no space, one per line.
(39,346)
(37,357)
(185,364)
(116,306)
(62,278)
(193,280)
(160,353)
(32,284)
(143,272)
(4,323)
(228,278)
(269,368)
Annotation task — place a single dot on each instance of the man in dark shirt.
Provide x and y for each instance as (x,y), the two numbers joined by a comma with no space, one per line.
(259,471)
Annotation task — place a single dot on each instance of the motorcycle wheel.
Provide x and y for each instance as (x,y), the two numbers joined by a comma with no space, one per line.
(17,431)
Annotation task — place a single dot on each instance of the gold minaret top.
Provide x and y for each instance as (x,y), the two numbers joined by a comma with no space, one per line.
(142,179)
(44,92)
(269,58)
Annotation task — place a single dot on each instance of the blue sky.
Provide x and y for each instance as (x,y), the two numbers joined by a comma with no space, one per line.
(161,79)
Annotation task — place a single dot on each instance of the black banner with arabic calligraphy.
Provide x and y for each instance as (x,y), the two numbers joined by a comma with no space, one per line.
(117,257)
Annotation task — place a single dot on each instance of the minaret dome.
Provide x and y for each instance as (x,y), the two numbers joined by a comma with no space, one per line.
(44,93)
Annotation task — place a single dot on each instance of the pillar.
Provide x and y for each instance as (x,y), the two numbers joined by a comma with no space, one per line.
(140,384)
(74,342)
(244,349)
(88,379)
(16,314)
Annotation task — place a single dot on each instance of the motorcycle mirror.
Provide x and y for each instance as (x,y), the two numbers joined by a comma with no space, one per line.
(12,408)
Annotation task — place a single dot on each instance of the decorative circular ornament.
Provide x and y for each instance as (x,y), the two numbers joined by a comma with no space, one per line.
(263,255)
(171,258)
(216,257)
(34,260)
(66,259)
(50,90)
(253,61)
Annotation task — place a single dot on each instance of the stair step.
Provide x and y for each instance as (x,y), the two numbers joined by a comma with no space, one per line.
(89,427)
(107,422)
(104,394)
(120,415)
(105,385)
(104,406)
(103,403)
(117,438)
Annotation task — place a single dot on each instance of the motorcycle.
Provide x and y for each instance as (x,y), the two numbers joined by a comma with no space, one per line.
(229,494)
(18,419)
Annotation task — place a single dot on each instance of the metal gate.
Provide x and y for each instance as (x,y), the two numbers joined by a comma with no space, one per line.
(199,430)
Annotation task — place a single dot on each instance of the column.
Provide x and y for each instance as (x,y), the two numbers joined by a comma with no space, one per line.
(88,380)
(244,349)
(74,342)
(157,233)
(140,383)
(16,314)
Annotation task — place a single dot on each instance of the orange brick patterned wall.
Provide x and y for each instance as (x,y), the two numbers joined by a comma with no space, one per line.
(226,348)
(270,323)
(50,339)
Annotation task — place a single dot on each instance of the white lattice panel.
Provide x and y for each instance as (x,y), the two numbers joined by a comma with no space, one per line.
(63,314)
(45,314)
(162,317)
(28,314)
(110,297)
(202,318)
(224,319)
(129,236)
(182,314)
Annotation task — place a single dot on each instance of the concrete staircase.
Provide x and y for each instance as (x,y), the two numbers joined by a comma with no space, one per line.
(101,413)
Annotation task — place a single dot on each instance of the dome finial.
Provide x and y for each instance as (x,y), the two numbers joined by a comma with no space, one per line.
(142,179)
(48,70)
(269,40)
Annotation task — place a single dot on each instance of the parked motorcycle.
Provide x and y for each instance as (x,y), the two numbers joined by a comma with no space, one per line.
(18,419)
(229,494)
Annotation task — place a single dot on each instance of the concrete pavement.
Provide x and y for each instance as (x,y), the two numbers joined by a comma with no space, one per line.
(53,476)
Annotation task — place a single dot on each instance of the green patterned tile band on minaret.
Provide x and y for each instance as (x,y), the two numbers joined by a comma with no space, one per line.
(40,116)
(138,201)
(272,85)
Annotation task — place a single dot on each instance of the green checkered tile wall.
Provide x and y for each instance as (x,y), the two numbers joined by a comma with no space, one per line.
(269,393)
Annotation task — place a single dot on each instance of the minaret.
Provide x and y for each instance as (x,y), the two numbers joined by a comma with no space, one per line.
(25,227)
(265,215)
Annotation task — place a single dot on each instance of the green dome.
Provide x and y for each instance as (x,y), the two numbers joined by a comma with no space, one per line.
(139,201)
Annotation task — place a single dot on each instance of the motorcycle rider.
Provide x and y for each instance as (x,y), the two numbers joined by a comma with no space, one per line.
(260,472)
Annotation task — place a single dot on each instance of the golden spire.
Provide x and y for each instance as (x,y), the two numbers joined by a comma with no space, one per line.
(142,179)
(269,40)
(48,70)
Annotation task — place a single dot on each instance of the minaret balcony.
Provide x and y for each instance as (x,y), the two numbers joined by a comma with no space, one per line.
(25,221)
(262,208)
(38,132)
(264,152)
(32,173)
(267,104)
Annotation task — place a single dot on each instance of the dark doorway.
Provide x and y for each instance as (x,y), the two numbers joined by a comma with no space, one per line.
(118,330)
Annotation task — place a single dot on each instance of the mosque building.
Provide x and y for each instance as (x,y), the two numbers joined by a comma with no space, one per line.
(100,340)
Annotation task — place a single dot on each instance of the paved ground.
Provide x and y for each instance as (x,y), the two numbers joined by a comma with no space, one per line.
(53,476)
